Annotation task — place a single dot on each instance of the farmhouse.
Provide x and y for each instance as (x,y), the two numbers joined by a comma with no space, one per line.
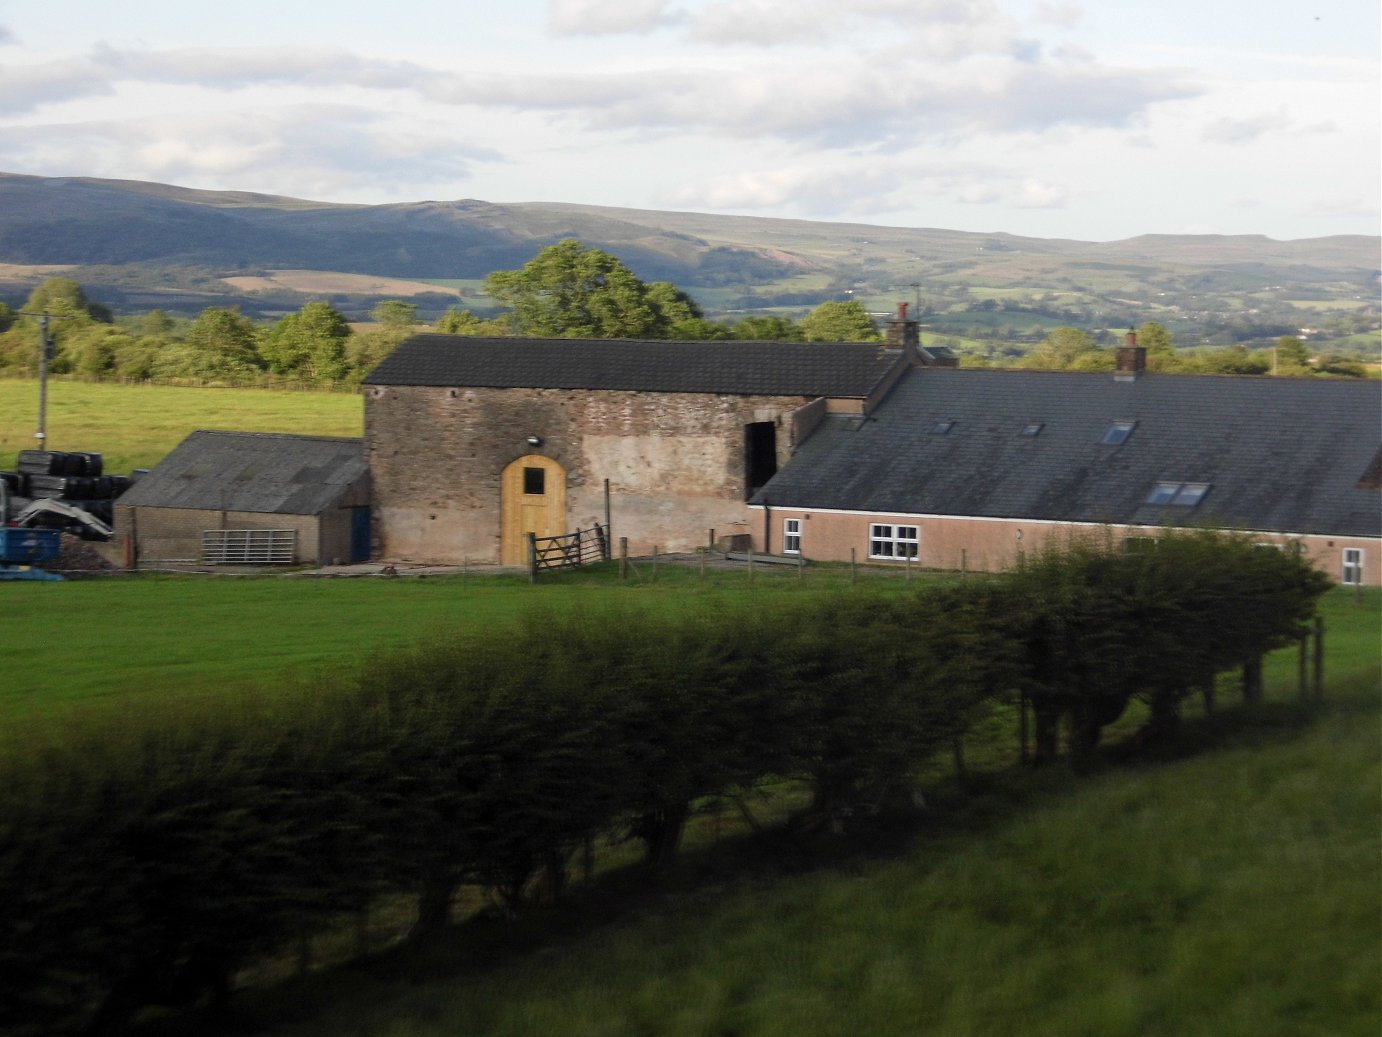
(970,468)
(833,451)
(252,498)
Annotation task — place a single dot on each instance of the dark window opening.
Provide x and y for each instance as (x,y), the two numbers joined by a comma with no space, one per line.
(535,481)
(760,455)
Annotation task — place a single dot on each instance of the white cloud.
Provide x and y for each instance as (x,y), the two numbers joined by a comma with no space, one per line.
(325,149)
(1065,16)
(1245,131)
(1036,194)
(605,17)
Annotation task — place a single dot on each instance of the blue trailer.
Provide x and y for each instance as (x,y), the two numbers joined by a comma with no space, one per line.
(23,550)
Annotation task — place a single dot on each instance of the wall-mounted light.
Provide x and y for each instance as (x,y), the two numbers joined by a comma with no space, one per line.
(1019,534)
(535,441)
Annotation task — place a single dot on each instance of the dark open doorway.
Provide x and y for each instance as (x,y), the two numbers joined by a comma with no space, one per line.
(760,455)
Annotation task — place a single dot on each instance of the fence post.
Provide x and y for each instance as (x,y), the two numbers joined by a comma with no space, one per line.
(655,551)
(609,523)
(964,563)
(1252,681)
(623,559)
(909,568)
(853,570)
(1302,681)
(1022,723)
(801,565)
(704,552)
(532,558)
(1319,658)
(750,557)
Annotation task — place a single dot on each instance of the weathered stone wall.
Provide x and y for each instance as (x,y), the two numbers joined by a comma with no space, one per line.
(675,462)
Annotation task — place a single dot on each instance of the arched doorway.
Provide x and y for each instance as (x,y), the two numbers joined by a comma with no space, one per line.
(532,500)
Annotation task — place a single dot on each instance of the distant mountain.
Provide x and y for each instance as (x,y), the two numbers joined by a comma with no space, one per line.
(131,235)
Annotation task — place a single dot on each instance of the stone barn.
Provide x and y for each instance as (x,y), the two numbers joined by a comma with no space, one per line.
(473,443)
(249,498)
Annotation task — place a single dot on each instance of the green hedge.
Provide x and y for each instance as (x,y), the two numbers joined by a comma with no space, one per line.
(148,862)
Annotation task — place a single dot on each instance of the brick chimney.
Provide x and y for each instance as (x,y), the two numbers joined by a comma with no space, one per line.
(1131,359)
(902,333)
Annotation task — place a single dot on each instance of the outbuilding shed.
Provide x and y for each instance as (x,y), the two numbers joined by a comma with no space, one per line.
(249,498)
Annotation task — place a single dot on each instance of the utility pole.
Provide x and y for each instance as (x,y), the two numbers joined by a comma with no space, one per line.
(45,354)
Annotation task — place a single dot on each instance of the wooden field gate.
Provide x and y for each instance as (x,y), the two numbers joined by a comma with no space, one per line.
(568,550)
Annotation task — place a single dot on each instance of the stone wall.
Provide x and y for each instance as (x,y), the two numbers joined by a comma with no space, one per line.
(675,463)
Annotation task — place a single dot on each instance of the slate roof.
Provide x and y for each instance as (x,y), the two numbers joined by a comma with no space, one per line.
(848,369)
(252,471)
(1279,454)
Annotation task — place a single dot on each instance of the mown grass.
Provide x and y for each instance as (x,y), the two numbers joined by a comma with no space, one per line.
(123,640)
(135,426)
(1234,891)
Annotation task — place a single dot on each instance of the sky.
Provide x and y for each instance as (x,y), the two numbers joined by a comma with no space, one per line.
(1094,120)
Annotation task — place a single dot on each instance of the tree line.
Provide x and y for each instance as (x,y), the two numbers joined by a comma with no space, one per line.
(1073,349)
(567,290)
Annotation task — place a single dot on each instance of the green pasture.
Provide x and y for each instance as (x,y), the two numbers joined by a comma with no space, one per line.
(135,426)
(134,641)
(1235,890)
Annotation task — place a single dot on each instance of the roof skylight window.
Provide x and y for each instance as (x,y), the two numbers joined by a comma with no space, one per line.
(940,428)
(1164,493)
(1118,432)
(1178,494)
(1033,429)
(1191,494)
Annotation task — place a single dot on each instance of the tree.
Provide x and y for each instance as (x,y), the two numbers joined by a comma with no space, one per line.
(679,316)
(1160,346)
(458,321)
(571,291)
(1292,357)
(223,332)
(309,344)
(767,329)
(1068,349)
(839,322)
(395,313)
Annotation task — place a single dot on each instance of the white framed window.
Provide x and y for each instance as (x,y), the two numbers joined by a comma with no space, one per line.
(887,541)
(1353,566)
(791,536)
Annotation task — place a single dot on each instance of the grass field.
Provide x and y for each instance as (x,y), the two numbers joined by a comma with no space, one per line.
(135,426)
(1234,891)
(152,637)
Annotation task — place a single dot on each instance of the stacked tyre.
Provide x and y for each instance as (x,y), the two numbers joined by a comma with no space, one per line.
(75,477)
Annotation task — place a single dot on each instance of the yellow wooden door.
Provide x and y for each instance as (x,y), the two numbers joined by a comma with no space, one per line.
(533,500)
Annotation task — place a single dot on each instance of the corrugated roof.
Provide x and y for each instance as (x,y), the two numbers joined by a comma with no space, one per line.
(1287,455)
(838,369)
(263,472)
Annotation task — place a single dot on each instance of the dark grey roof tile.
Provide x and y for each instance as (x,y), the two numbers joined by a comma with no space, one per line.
(813,369)
(1280,454)
(252,471)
